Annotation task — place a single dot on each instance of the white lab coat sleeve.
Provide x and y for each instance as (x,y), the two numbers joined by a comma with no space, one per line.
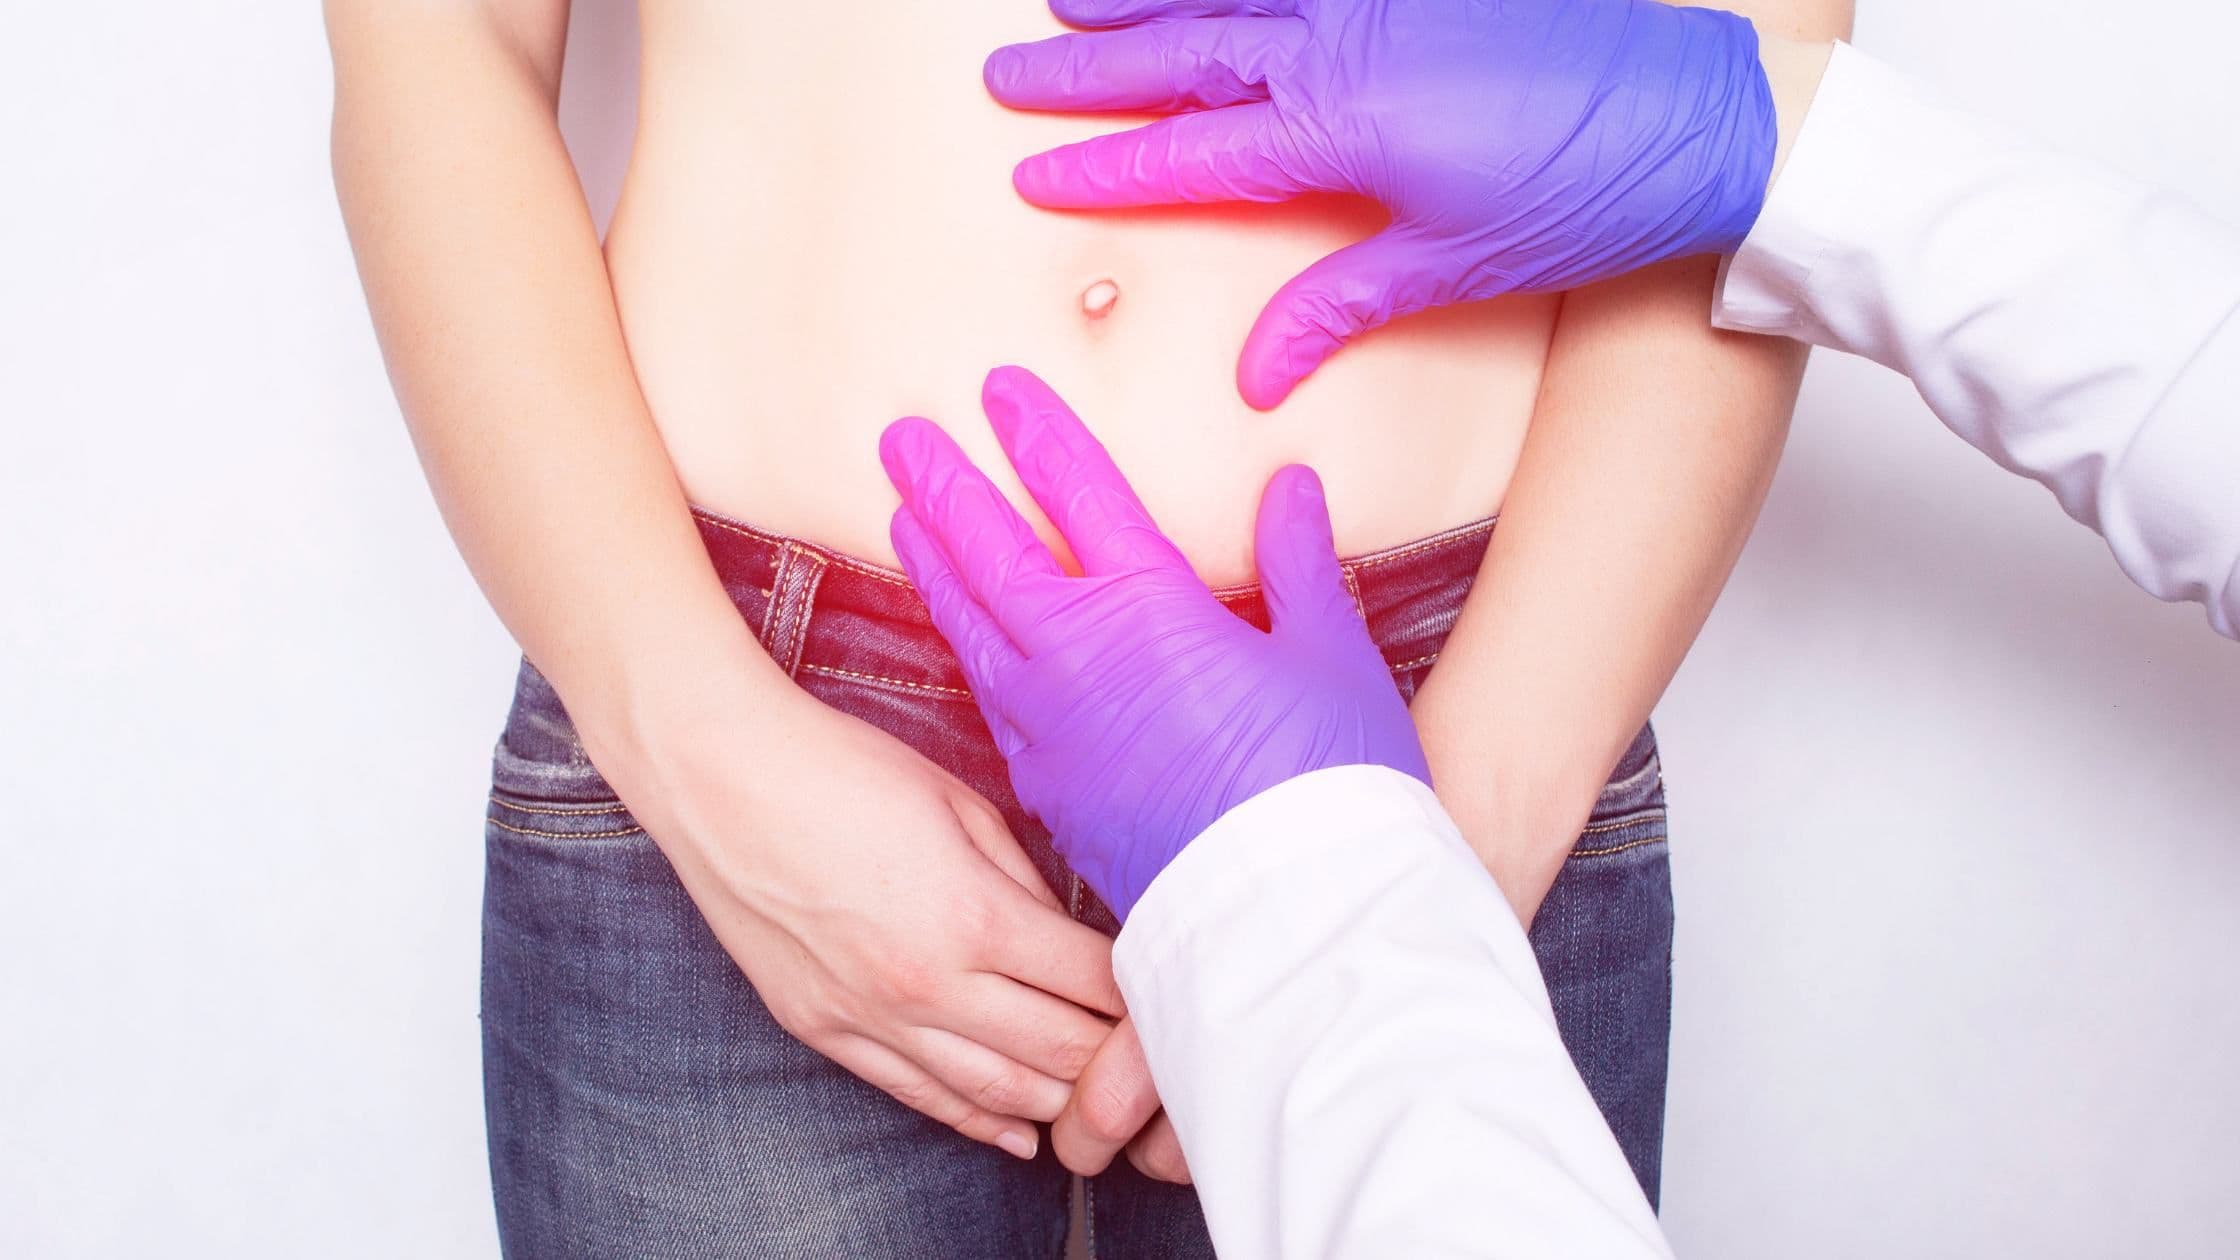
(1349,1030)
(2077,326)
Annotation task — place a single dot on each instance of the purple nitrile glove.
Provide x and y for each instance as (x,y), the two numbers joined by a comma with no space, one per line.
(1134,709)
(1520,145)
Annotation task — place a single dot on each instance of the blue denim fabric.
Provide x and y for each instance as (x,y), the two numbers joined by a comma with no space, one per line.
(643,1103)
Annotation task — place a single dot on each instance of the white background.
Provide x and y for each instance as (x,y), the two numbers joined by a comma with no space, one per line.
(1954,807)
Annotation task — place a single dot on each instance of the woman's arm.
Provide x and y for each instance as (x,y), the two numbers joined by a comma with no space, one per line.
(490,295)
(883,910)
(1650,452)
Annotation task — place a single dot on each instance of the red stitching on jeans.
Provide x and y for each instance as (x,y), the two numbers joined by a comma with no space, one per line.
(845,561)
(1455,535)
(786,640)
(834,671)
(894,577)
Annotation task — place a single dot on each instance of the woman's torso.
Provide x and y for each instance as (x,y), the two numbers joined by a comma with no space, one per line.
(818,234)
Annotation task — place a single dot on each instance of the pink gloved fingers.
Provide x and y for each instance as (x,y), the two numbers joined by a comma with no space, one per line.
(983,649)
(1123,12)
(1351,291)
(1073,477)
(1220,155)
(1293,549)
(1005,567)
(1165,66)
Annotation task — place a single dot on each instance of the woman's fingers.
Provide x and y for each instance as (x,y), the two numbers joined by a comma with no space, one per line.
(991,835)
(915,1088)
(1111,1103)
(991,1082)
(1072,476)
(1045,1033)
(1157,1152)
(1165,67)
(1227,154)
(1046,948)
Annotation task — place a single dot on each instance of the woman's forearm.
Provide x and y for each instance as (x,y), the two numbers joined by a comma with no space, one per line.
(488,289)
(882,911)
(1651,448)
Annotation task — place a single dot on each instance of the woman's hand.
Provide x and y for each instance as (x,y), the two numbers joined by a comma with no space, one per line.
(1115,1105)
(884,913)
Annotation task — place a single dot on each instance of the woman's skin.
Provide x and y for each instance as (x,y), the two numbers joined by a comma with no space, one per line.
(778,305)
(782,306)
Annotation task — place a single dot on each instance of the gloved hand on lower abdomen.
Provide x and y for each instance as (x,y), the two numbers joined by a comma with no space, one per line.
(1520,145)
(1133,707)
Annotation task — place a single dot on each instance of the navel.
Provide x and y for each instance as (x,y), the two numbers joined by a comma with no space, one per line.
(1098,299)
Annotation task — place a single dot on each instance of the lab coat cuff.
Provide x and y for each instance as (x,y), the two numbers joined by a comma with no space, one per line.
(1306,852)
(1862,129)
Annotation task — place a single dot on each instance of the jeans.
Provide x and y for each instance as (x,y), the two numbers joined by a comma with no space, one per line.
(643,1103)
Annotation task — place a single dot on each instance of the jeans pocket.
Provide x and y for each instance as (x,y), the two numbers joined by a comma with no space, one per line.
(1629,814)
(543,820)
(542,784)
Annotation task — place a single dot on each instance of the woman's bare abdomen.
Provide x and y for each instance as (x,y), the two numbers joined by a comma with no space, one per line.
(818,234)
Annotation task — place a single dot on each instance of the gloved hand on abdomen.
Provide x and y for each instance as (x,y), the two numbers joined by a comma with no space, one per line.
(1134,708)
(1520,145)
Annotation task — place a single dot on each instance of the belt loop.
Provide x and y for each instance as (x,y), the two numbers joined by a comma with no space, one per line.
(1353,588)
(793,592)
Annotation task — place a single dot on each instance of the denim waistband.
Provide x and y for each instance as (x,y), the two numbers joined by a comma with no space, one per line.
(821,611)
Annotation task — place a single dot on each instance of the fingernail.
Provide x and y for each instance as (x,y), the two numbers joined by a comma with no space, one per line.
(1023,1145)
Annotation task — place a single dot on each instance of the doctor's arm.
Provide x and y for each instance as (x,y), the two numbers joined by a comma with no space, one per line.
(2079,327)
(1350,1033)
